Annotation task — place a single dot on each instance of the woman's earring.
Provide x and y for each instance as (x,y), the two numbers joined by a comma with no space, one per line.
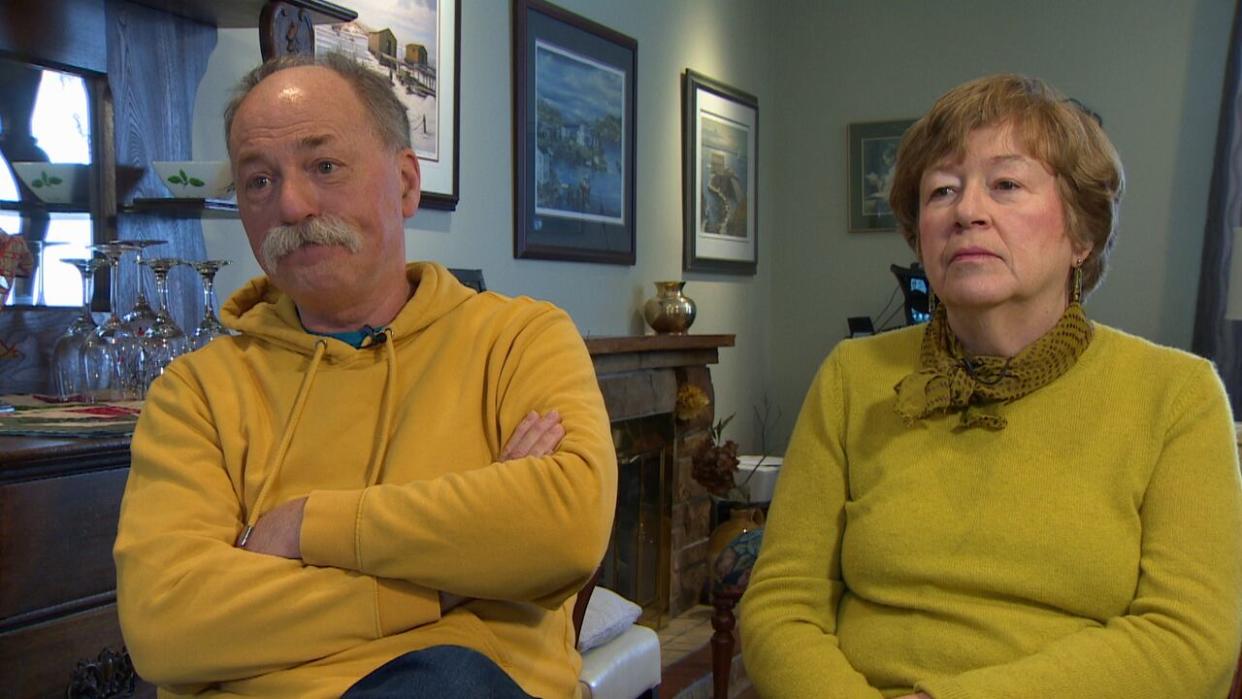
(1076,285)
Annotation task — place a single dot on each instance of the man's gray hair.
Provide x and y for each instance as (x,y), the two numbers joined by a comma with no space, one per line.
(388,115)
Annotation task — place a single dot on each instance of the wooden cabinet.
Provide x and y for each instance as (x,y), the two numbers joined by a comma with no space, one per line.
(59,502)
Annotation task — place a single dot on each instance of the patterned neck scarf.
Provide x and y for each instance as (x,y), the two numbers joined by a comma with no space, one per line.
(950,380)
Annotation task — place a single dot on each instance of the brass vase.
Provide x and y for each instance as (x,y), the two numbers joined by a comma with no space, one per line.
(670,311)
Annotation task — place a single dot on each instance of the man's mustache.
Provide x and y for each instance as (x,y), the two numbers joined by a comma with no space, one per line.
(320,230)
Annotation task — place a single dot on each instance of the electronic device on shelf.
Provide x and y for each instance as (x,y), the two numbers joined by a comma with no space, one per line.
(912,281)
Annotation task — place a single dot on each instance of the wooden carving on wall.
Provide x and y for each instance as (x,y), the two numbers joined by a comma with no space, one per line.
(285,29)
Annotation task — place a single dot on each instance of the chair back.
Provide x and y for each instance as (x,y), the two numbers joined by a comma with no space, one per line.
(580,604)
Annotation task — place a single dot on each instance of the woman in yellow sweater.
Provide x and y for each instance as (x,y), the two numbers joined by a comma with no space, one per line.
(1011,501)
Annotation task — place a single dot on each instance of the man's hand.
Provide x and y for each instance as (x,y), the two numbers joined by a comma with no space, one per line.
(279,531)
(534,436)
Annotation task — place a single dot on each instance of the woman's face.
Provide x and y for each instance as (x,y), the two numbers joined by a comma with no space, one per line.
(992,229)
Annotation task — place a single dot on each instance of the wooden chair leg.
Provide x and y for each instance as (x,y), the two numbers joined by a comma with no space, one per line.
(723,622)
(1235,691)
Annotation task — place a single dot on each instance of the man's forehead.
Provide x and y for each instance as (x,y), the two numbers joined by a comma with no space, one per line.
(295,99)
(251,151)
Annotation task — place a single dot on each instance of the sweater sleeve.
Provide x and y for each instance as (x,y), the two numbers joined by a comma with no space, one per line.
(789,612)
(190,603)
(530,529)
(1182,631)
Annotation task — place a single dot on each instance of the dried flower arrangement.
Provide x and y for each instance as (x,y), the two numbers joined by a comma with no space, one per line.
(715,463)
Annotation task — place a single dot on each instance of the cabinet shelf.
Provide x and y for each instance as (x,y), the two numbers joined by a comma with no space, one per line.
(170,207)
(38,207)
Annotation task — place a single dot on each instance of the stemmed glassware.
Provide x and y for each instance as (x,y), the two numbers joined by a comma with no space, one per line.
(141,316)
(164,341)
(211,327)
(67,352)
(110,353)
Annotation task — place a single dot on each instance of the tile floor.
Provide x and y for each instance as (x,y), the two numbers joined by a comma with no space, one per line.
(685,634)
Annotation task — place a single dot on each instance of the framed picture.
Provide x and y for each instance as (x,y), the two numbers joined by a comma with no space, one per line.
(573,134)
(417,46)
(720,135)
(873,160)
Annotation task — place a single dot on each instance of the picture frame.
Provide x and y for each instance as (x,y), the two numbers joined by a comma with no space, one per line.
(574,136)
(872,161)
(420,52)
(720,179)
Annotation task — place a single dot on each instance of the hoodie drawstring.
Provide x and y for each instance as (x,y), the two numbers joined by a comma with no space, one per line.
(286,439)
(385,425)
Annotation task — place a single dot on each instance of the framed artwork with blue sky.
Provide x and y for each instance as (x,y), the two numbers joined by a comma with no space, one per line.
(574,137)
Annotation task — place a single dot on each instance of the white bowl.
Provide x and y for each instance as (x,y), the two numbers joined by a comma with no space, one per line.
(56,183)
(196,179)
(762,482)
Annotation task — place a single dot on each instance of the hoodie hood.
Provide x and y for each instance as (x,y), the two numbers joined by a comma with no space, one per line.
(261,310)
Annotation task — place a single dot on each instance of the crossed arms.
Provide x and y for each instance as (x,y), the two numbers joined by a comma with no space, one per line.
(374,560)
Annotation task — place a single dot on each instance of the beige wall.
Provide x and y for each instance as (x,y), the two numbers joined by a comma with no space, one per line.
(1152,68)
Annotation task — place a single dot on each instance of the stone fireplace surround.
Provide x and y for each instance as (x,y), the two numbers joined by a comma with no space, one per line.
(639,377)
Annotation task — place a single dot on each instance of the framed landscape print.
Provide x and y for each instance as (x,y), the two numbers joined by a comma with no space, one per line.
(873,159)
(720,136)
(573,132)
(416,44)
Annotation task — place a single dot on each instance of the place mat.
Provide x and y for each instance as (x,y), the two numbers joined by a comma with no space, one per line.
(44,416)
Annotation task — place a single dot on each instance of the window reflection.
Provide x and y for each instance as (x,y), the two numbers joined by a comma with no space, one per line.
(44,117)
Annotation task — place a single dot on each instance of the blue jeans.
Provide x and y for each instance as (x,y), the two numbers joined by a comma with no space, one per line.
(438,672)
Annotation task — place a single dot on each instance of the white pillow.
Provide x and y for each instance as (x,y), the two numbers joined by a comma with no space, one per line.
(607,616)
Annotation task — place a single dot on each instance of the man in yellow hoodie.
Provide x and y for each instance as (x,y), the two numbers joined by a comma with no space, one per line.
(356,494)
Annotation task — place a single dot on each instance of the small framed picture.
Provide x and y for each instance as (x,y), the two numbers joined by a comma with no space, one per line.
(873,161)
(574,137)
(720,137)
(419,50)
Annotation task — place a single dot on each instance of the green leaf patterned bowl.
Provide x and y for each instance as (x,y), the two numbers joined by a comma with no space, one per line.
(196,179)
(55,183)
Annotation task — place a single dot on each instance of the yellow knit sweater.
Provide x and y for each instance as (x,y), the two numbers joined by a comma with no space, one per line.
(397,447)
(1091,549)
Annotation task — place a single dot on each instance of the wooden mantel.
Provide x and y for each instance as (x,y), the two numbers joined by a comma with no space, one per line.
(616,355)
(654,343)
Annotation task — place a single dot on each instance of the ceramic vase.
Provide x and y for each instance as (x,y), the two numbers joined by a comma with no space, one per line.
(741,520)
(670,311)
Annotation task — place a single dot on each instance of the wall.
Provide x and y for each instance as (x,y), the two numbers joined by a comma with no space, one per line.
(1152,68)
(721,38)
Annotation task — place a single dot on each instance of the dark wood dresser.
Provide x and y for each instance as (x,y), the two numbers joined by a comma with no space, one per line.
(59,502)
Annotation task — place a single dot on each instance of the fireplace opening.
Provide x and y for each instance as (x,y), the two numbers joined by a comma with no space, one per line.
(636,565)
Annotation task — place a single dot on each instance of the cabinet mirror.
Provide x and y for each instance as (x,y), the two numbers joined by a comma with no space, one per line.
(47,150)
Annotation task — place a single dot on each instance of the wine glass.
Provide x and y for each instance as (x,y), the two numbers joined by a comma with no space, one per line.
(164,341)
(110,353)
(141,316)
(211,327)
(67,352)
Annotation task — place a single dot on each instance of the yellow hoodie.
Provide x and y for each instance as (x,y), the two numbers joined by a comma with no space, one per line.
(396,445)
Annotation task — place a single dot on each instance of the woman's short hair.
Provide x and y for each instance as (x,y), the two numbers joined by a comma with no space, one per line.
(388,114)
(1059,132)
